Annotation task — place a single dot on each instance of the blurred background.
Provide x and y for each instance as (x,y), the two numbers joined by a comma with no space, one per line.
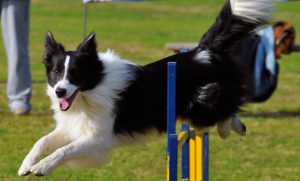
(138,31)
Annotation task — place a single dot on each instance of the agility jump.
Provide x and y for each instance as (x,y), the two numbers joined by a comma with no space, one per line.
(194,144)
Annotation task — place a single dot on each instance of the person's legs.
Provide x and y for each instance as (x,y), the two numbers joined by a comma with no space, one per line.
(15,27)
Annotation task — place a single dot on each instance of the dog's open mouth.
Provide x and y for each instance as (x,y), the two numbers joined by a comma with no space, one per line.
(65,103)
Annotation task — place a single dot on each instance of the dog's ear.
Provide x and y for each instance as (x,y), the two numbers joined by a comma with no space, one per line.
(88,45)
(51,46)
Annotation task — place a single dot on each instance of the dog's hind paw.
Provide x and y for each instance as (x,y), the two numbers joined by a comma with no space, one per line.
(238,126)
(224,128)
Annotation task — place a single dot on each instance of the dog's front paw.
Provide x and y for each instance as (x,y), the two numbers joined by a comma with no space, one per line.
(43,168)
(25,168)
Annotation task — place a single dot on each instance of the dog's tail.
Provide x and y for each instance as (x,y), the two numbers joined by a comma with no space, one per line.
(237,19)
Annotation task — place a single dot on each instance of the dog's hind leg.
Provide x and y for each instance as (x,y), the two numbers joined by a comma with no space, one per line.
(50,142)
(234,123)
(238,126)
(224,128)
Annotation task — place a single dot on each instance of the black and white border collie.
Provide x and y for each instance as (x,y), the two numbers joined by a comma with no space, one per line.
(101,100)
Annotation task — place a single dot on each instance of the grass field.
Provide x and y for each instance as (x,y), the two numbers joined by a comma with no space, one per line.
(138,31)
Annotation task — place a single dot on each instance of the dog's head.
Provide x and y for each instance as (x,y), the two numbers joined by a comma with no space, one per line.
(71,72)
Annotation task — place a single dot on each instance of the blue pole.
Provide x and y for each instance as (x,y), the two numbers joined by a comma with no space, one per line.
(173,156)
(171,122)
(171,100)
(185,156)
(205,157)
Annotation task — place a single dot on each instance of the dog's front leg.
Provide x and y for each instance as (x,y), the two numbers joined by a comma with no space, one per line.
(80,148)
(50,142)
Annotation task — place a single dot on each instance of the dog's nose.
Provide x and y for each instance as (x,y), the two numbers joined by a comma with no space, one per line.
(60,92)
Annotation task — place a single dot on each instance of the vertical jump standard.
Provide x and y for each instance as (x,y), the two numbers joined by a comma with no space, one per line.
(194,145)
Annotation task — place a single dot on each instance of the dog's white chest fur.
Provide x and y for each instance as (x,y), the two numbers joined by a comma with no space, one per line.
(76,125)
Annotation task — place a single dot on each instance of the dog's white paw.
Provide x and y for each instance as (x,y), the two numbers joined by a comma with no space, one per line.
(43,168)
(25,168)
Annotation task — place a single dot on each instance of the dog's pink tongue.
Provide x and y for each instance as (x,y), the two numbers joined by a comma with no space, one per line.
(63,104)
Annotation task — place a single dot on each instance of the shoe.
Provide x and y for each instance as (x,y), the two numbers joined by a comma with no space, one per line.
(20,108)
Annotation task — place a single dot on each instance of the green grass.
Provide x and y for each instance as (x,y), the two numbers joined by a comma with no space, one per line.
(138,31)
